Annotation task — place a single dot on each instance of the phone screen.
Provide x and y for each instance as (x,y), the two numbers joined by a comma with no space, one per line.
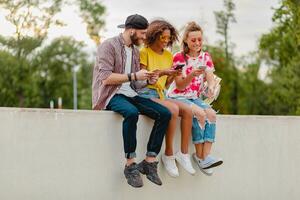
(201,66)
(180,66)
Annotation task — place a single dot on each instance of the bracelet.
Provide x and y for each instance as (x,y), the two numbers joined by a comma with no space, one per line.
(135,77)
(129,77)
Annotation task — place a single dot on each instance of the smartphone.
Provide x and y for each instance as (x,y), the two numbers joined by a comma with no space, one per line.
(179,66)
(201,67)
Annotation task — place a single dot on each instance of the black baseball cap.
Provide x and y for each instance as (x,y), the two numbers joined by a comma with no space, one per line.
(135,21)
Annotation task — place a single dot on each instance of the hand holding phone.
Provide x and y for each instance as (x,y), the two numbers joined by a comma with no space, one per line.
(201,67)
(179,67)
(197,71)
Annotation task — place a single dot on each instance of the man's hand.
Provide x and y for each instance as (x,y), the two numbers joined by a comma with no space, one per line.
(142,75)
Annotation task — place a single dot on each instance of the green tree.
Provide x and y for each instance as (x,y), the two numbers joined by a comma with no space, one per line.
(32,72)
(223,20)
(280,49)
(55,63)
(252,90)
(91,12)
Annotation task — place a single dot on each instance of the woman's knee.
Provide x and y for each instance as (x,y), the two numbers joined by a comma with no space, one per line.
(201,116)
(199,112)
(173,108)
(211,115)
(186,111)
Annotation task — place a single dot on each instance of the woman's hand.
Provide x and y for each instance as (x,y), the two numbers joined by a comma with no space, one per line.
(169,72)
(197,72)
(153,77)
(210,92)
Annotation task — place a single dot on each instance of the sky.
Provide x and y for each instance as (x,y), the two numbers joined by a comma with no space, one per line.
(253,19)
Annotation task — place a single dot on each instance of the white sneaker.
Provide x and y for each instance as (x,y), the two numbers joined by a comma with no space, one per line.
(207,172)
(185,161)
(211,161)
(170,165)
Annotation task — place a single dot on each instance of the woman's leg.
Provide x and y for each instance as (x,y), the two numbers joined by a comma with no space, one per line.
(182,156)
(173,108)
(186,114)
(211,121)
(200,115)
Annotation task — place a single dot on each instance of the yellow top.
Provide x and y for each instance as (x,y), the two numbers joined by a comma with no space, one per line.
(153,61)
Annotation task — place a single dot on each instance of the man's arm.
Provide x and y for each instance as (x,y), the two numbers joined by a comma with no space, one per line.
(116,79)
(105,66)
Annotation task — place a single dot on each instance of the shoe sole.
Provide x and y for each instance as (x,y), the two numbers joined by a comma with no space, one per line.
(214,165)
(204,172)
(139,186)
(201,169)
(135,186)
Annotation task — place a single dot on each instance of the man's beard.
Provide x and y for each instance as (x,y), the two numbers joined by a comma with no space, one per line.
(134,39)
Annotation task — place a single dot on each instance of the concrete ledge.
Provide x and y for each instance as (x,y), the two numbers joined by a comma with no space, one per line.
(69,155)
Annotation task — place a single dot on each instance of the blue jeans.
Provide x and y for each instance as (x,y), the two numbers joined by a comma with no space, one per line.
(129,108)
(149,93)
(208,132)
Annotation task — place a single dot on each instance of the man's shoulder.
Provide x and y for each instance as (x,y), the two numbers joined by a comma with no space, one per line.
(110,42)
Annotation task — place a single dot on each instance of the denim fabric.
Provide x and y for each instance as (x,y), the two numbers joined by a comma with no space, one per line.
(198,102)
(129,108)
(207,134)
(149,93)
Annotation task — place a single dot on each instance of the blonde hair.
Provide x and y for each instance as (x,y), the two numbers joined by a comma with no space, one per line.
(190,27)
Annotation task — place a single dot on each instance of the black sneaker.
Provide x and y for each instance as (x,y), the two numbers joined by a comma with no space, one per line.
(133,176)
(150,170)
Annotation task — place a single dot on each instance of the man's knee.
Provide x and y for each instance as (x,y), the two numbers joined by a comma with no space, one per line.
(132,113)
(165,113)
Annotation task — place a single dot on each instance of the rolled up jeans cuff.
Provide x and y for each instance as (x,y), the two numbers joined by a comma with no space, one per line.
(151,154)
(201,141)
(130,155)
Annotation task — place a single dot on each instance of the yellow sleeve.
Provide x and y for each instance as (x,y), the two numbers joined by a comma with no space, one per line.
(144,56)
(170,59)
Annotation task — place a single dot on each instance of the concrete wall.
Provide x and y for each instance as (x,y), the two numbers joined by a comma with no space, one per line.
(68,155)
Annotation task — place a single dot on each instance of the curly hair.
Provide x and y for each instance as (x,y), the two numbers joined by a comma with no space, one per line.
(156,28)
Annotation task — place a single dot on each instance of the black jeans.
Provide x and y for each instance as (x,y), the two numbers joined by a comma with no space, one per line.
(129,108)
